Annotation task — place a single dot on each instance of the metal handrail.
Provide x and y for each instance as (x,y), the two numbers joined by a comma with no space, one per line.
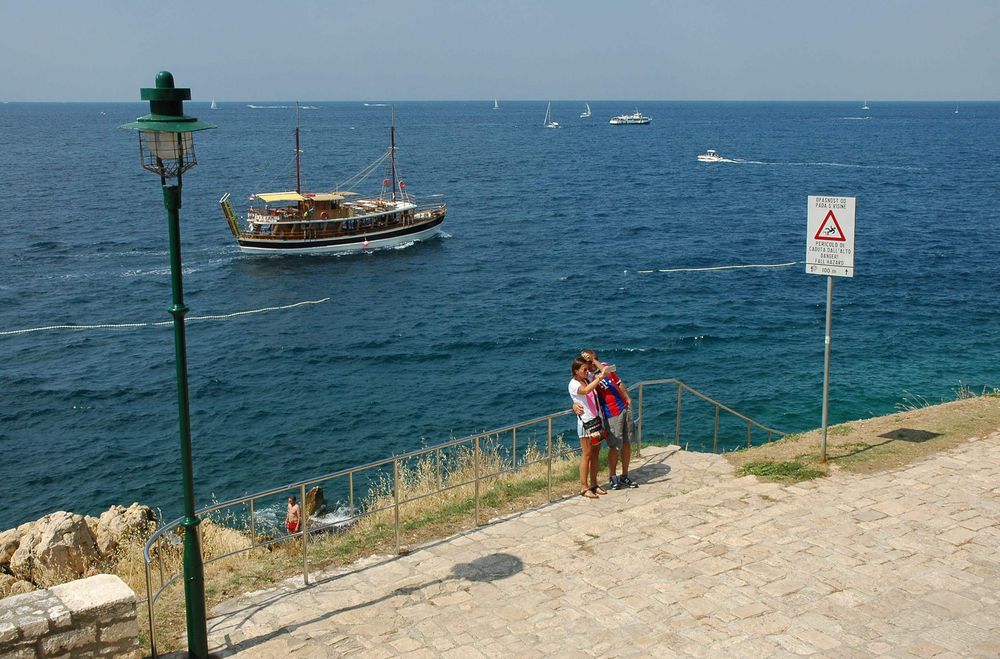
(157,537)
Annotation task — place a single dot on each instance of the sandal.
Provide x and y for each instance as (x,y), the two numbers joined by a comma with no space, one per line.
(589,494)
(597,489)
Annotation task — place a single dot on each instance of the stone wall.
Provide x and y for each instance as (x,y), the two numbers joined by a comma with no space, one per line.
(84,618)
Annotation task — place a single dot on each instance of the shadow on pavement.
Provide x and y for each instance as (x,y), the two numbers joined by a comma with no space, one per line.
(491,567)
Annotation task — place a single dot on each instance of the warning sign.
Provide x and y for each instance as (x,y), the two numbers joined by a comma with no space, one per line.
(830,229)
(830,236)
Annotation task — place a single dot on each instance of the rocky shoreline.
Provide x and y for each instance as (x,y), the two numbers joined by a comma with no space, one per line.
(63,546)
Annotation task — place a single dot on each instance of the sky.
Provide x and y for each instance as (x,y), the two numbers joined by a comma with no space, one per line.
(71,50)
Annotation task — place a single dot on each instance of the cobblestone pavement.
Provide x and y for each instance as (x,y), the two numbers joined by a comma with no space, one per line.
(695,563)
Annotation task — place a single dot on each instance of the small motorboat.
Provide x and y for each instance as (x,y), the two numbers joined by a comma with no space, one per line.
(710,156)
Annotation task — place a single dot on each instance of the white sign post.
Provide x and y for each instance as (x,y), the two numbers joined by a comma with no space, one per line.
(829,251)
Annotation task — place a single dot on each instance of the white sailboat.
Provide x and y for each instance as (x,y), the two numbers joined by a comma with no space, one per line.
(214,106)
(549,123)
(496,104)
(585,113)
(956,109)
(865,106)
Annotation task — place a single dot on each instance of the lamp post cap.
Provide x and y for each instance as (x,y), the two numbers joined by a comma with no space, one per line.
(166,105)
(165,79)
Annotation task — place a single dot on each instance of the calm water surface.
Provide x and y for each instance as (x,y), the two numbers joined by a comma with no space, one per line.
(550,238)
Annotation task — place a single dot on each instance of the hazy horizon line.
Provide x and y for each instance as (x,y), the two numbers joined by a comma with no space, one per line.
(529,100)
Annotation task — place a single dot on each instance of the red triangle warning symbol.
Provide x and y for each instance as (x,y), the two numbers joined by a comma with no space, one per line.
(830,230)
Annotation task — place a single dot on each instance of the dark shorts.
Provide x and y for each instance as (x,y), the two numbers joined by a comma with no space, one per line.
(621,429)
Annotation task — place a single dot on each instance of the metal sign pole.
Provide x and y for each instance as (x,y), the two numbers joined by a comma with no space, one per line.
(826,366)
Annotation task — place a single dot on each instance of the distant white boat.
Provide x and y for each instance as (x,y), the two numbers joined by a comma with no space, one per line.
(956,109)
(549,123)
(865,106)
(635,118)
(214,106)
(585,113)
(710,156)
(496,104)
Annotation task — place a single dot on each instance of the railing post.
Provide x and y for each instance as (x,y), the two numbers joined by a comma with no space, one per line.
(395,496)
(677,433)
(749,428)
(513,457)
(350,493)
(304,528)
(638,435)
(253,525)
(715,438)
(549,442)
(437,460)
(475,459)
(159,557)
(149,608)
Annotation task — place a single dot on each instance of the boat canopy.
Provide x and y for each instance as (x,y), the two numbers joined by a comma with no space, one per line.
(271,197)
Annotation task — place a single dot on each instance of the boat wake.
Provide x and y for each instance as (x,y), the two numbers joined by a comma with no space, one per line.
(281,107)
(904,168)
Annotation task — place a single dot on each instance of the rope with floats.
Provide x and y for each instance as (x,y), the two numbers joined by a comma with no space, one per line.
(127,326)
(722,267)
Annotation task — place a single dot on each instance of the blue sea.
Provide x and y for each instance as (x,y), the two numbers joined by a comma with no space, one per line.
(555,240)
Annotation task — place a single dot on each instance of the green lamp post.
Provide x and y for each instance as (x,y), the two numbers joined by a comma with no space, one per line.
(166,147)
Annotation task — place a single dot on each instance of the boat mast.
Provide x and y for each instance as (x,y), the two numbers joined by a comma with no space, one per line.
(392,151)
(298,153)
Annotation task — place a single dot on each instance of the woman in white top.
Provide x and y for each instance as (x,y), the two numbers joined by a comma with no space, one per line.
(581,390)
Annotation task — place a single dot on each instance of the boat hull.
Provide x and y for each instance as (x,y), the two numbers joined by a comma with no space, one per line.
(346,244)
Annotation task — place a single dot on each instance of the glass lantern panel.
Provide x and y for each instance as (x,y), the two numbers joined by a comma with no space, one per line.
(169,146)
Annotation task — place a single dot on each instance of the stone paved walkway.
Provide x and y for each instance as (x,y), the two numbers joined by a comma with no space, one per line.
(693,563)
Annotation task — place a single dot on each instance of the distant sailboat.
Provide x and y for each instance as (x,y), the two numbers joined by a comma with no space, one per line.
(865,106)
(496,104)
(548,118)
(585,113)
(956,109)
(214,106)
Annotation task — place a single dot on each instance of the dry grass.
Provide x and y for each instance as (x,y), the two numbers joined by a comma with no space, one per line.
(887,442)
(426,514)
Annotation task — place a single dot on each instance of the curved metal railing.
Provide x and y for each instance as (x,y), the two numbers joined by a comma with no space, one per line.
(153,550)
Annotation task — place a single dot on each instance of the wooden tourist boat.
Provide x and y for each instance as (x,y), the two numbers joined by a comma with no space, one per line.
(335,221)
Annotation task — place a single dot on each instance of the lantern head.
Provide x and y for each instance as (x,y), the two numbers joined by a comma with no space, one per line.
(166,143)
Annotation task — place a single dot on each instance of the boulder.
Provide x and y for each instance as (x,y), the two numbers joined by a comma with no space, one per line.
(9,540)
(119,523)
(315,502)
(57,547)
(6,581)
(92,523)
(10,586)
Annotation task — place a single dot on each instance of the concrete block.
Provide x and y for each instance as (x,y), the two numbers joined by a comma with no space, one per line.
(125,629)
(9,633)
(95,596)
(69,640)
(21,652)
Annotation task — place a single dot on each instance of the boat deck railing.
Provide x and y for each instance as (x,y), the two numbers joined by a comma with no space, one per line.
(520,445)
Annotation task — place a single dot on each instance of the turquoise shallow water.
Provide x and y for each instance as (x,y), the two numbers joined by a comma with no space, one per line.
(548,238)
